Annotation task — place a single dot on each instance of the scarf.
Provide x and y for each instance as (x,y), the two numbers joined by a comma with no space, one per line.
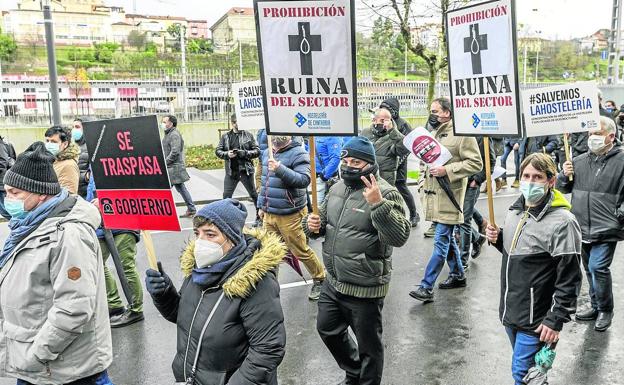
(21,228)
(211,275)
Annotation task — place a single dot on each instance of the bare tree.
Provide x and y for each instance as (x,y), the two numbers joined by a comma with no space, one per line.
(406,17)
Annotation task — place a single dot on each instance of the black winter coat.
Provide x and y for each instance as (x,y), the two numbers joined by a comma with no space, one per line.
(244,342)
(247,143)
(83,166)
(598,194)
(480,177)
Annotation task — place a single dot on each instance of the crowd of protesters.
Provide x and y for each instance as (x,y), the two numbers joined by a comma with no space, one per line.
(64,300)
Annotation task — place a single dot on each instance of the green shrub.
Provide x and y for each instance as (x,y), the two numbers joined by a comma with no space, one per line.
(203,158)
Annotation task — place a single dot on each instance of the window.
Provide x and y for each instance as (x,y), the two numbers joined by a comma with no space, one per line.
(150,90)
(193,89)
(5,90)
(30,101)
(104,90)
(28,90)
(172,89)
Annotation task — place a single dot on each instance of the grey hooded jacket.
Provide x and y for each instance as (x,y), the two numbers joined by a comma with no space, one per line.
(54,326)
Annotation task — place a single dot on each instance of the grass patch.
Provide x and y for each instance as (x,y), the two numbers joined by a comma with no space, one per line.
(203,158)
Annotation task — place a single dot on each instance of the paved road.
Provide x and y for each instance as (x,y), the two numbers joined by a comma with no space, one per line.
(457,340)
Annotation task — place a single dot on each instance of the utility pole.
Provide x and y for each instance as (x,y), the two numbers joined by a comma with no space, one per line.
(54,89)
(613,70)
(240,60)
(184,85)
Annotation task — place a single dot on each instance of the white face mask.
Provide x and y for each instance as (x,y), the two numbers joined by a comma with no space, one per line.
(207,253)
(596,143)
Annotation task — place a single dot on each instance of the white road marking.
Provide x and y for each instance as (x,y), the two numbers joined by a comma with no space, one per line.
(295,284)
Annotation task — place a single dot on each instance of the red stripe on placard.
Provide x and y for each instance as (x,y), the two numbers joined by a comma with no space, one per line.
(138,209)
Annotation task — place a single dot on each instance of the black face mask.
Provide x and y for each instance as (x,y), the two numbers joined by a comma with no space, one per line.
(379,129)
(433,121)
(352,176)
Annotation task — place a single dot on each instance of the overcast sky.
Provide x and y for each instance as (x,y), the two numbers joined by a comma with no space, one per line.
(561,19)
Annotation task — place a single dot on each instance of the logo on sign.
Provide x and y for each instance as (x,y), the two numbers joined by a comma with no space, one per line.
(475,120)
(107,206)
(300,120)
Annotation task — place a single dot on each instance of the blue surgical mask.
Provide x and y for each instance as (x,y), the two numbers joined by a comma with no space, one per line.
(53,148)
(163,126)
(532,192)
(76,134)
(15,207)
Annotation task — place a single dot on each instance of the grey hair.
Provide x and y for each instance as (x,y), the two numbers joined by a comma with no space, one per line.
(607,124)
(445,103)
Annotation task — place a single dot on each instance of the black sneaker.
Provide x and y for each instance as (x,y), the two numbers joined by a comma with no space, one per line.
(603,321)
(125,319)
(453,283)
(188,214)
(476,247)
(422,294)
(414,221)
(589,314)
(315,292)
(116,311)
(349,381)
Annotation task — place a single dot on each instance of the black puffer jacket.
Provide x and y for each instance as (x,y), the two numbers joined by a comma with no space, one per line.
(598,194)
(392,105)
(244,342)
(480,177)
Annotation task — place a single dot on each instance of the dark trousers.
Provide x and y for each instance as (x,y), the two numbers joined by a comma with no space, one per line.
(401,185)
(336,312)
(95,379)
(186,195)
(465,229)
(517,159)
(3,212)
(597,258)
(231,181)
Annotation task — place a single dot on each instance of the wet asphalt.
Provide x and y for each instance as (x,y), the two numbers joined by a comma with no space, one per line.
(456,340)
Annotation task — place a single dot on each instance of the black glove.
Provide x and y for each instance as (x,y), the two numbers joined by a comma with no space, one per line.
(241,153)
(320,175)
(156,282)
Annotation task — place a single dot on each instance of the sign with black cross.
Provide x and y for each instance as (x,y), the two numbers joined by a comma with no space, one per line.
(483,71)
(306,52)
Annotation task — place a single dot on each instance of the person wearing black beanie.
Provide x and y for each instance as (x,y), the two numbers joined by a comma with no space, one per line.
(51,260)
(362,219)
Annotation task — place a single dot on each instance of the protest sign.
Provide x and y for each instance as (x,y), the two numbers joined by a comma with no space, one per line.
(483,74)
(426,148)
(130,173)
(248,105)
(306,51)
(566,108)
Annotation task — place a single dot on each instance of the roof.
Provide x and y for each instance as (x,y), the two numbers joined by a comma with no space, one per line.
(122,23)
(234,11)
(152,17)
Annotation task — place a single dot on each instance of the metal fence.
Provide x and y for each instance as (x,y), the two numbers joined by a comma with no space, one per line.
(26,102)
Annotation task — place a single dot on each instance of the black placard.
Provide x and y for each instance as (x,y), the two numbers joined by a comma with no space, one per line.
(126,153)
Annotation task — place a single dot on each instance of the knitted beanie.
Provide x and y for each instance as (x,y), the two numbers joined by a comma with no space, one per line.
(361,148)
(33,171)
(228,215)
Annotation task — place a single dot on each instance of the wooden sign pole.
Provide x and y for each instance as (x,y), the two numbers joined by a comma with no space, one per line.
(149,248)
(488,176)
(312,147)
(567,152)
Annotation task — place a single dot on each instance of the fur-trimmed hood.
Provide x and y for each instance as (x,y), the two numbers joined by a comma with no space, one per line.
(243,281)
(71,152)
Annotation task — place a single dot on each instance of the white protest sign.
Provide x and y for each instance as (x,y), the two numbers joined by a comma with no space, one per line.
(483,73)
(306,51)
(426,148)
(248,105)
(566,108)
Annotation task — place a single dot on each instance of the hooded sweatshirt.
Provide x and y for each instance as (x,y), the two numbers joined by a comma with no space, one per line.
(66,168)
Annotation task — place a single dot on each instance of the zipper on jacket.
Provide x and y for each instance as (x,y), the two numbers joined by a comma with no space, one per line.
(514,242)
(188,341)
(344,207)
(531,309)
(48,372)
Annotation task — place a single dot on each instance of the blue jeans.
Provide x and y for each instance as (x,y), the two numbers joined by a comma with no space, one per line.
(186,195)
(444,249)
(508,150)
(3,211)
(96,379)
(597,258)
(525,346)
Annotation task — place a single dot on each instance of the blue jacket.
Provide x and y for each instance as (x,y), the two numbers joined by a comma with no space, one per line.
(261,138)
(327,156)
(91,195)
(283,192)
